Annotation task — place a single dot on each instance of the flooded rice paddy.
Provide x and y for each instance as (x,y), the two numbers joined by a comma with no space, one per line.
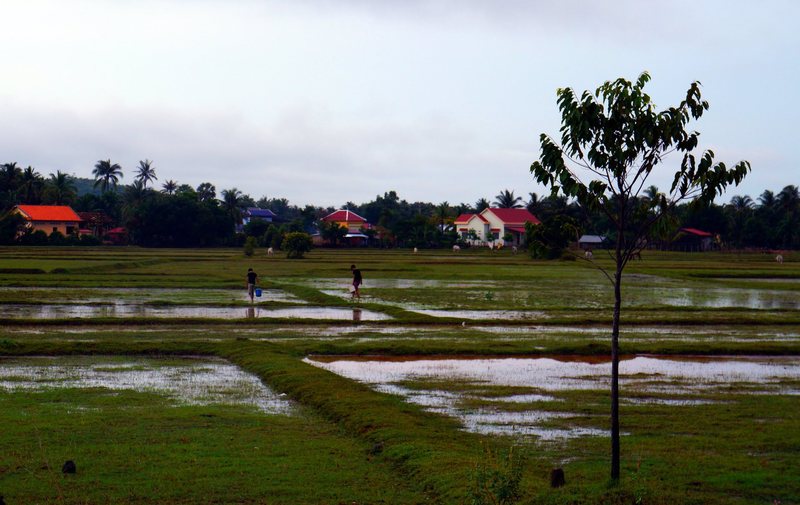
(650,380)
(144,295)
(185,381)
(640,291)
(67,311)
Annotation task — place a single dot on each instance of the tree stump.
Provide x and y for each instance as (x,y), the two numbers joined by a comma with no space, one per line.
(69,467)
(557,478)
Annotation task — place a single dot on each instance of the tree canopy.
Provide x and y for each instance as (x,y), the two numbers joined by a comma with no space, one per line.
(611,141)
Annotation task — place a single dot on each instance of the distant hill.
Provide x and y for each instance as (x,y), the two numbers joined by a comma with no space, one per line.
(84,186)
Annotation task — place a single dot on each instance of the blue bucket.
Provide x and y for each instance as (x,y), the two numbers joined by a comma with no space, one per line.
(258,292)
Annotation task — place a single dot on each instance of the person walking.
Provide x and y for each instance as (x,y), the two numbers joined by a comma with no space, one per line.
(252,279)
(357,281)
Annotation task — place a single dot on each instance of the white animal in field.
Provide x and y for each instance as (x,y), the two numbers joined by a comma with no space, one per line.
(588,255)
(514,249)
(270,251)
(779,258)
(456,248)
(416,250)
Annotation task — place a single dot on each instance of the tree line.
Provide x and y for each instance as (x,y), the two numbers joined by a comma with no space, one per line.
(179,215)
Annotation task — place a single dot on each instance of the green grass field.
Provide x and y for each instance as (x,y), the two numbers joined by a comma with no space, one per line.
(348,443)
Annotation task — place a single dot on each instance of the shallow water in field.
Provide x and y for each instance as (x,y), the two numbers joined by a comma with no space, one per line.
(188,381)
(668,381)
(485,314)
(721,298)
(125,296)
(127,311)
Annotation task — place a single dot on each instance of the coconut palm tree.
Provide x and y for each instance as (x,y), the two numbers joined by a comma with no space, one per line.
(60,189)
(534,203)
(146,172)
(231,202)
(789,199)
(169,187)
(506,200)
(742,203)
(767,200)
(481,204)
(442,212)
(106,174)
(31,186)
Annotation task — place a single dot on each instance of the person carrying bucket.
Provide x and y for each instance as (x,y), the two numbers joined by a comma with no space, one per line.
(252,278)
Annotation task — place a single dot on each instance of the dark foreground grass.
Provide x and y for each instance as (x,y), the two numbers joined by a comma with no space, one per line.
(140,448)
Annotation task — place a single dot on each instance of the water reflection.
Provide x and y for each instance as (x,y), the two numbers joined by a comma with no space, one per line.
(670,381)
(356,315)
(64,311)
(189,381)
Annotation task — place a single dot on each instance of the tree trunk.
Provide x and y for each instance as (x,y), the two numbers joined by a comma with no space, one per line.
(615,377)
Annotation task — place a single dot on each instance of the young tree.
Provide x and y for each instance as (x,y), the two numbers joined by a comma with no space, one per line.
(611,141)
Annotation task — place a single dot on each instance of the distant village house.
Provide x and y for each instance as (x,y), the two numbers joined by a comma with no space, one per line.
(353,223)
(592,242)
(49,218)
(494,226)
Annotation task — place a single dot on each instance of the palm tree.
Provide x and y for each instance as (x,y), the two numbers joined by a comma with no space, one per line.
(60,188)
(106,174)
(767,200)
(169,187)
(146,172)
(442,212)
(31,186)
(206,192)
(789,199)
(507,200)
(481,204)
(741,203)
(231,202)
(534,203)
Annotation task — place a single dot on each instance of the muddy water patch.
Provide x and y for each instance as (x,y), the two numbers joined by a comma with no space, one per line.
(65,311)
(669,381)
(186,381)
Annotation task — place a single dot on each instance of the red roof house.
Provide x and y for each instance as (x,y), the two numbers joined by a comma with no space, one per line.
(351,221)
(49,218)
(692,239)
(493,225)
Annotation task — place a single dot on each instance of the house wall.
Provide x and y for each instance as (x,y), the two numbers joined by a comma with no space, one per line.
(352,227)
(65,227)
(474,224)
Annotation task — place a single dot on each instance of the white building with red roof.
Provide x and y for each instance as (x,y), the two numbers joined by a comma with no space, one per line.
(493,225)
(49,218)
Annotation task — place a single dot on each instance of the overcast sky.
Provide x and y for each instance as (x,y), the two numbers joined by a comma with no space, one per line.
(326,101)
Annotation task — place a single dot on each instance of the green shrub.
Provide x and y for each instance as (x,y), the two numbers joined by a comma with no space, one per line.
(497,478)
(249,246)
(296,244)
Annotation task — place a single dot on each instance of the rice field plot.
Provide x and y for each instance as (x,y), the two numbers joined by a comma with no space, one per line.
(176,430)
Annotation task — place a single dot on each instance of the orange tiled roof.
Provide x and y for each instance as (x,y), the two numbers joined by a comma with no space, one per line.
(49,212)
